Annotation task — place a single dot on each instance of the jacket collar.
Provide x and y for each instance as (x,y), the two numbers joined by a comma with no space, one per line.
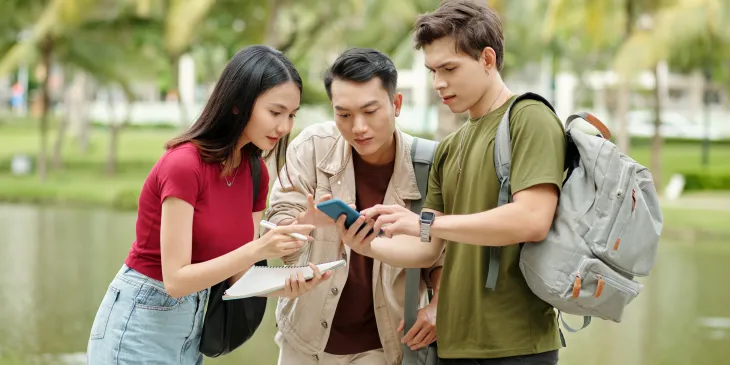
(337,163)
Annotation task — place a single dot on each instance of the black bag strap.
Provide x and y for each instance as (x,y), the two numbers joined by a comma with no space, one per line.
(255,167)
(229,324)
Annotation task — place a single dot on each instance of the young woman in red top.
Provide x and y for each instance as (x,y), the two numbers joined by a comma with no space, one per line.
(198,218)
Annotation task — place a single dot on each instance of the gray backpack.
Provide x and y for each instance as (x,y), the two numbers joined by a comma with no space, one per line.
(605,231)
(422,151)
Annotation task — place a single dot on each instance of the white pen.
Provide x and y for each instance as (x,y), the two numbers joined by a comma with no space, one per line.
(269,225)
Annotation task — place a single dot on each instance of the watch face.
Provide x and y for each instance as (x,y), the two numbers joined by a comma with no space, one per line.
(427,216)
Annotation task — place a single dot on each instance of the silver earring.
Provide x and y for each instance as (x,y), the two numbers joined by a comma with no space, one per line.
(487,72)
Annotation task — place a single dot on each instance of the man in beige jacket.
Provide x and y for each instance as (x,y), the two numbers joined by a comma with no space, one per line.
(364,160)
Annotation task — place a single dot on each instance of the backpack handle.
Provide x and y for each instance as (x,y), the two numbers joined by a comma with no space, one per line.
(593,120)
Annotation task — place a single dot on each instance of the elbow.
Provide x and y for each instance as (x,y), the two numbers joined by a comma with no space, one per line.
(174,289)
(538,231)
(429,261)
(174,292)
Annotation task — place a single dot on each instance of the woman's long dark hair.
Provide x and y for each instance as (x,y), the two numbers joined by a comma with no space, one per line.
(251,72)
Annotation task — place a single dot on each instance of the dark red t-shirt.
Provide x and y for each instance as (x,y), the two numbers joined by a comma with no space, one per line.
(222,221)
(354,328)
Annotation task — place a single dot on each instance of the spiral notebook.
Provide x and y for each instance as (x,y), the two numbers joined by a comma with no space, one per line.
(260,280)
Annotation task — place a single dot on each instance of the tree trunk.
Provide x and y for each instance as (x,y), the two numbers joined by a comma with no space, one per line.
(623,105)
(72,97)
(175,72)
(624,90)
(46,53)
(78,110)
(114,132)
(58,145)
(271,37)
(111,161)
(656,141)
(114,127)
(84,133)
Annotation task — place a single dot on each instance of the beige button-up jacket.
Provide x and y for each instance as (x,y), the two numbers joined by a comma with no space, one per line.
(319,161)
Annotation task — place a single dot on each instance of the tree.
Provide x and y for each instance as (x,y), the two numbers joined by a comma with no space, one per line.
(689,33)
(599,27)
(56,18)
(86,37)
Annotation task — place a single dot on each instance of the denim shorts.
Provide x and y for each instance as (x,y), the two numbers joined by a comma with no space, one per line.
(138,323)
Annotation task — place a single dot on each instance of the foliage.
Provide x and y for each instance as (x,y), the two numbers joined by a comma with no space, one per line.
(692,34)
(701,180)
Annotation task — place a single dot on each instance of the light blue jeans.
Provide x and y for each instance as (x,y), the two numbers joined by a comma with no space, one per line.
(138,323)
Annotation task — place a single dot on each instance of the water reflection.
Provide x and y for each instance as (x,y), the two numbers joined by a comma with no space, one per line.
(56,263)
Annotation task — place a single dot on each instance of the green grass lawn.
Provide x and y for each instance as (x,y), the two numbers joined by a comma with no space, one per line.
(683,157)
(83,181)
(711,221)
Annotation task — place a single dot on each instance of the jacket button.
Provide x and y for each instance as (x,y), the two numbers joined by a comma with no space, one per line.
(324,324)
(334,291)
(344,256)
(315,357)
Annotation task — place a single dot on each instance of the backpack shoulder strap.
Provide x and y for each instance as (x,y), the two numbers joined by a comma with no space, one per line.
(422,151)
(255,166)
(503,143)
(502,163)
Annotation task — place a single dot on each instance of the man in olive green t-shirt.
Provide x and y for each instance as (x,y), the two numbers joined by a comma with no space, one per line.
(507,325)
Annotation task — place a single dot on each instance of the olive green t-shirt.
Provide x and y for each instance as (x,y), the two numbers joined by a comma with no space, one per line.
(472,321)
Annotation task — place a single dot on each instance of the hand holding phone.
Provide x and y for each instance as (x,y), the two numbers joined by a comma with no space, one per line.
(334,208)
(313,215)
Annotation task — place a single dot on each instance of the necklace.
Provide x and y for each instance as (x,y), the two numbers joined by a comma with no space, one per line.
(229,183)
(468,128)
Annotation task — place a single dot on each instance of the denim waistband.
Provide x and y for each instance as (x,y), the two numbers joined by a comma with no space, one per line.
(134,277)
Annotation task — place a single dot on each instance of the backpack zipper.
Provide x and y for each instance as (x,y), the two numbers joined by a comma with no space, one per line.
(615,283)
(577,279)
(619,190)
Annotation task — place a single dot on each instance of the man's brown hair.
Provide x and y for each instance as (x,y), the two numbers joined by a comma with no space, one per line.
(472,24)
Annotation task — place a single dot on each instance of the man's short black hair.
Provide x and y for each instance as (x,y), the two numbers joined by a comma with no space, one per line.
(362,65)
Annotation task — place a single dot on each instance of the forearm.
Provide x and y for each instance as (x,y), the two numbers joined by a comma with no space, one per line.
(509,224)
(195,277)
(436,284)
(405,251)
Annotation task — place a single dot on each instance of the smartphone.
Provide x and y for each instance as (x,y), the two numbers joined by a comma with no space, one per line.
(334,208)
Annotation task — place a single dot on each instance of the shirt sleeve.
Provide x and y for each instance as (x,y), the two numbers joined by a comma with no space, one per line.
(178,175)
(289,191)
(434,199)
(538,148)
(260,203)
(297,179)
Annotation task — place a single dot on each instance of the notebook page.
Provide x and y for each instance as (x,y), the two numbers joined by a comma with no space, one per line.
(260,280)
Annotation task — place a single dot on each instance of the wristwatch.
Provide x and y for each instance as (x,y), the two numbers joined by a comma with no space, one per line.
(426,222)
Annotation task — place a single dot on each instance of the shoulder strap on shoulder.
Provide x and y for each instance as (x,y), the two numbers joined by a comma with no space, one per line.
(502,162)
(503,142)
(422,151)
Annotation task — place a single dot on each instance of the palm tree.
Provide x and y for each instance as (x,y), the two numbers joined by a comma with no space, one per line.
(689,33)
(57,17)
(181,19)
(598,26)
(85,36)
